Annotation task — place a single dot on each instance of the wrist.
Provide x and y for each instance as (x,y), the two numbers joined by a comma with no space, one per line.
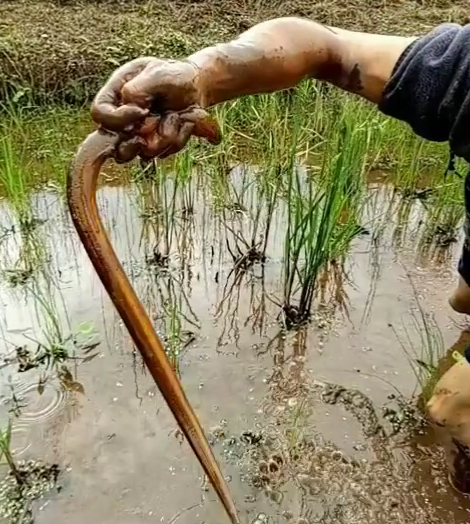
(205,76)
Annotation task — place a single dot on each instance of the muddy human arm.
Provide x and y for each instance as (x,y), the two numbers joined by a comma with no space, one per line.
(423,81)
(271,56)
(278,54)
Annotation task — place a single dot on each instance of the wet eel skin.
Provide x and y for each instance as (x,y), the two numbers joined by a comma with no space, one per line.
(81,197)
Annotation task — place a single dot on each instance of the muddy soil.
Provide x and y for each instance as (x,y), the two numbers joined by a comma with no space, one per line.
(314,424)
(61,51)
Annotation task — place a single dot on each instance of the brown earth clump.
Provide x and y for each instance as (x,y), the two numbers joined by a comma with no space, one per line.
(61,50)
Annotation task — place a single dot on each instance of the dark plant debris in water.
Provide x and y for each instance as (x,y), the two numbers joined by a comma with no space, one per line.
(334,487)
(49,356)
(16,498)
(399,412)
(17,277)
(443,235)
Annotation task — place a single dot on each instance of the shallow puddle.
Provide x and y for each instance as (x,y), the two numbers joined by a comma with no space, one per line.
(285,435)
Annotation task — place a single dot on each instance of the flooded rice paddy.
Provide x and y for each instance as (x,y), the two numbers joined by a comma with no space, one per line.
(312,416)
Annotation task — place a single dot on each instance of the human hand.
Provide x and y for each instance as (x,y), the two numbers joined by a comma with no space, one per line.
(155,105)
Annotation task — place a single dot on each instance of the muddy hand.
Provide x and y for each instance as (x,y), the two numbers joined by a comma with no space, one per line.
(149,86)
(142,87)
(165,136)
(160,137)
(107,109)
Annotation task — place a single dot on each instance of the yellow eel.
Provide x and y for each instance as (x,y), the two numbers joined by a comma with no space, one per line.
(82,179)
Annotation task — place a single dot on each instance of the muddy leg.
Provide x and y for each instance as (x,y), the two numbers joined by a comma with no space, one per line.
(449,411)
(460,298)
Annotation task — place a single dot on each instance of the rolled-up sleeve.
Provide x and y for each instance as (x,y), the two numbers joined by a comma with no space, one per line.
(430,87)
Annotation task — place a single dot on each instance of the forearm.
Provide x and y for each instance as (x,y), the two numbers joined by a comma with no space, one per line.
(279,53)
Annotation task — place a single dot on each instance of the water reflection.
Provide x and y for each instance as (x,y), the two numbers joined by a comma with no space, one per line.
(219,318)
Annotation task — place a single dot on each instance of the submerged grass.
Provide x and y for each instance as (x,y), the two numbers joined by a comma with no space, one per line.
(424,356)
(7,455)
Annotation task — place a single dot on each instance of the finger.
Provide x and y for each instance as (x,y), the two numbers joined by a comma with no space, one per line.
(161,138)
(169,127)
(153,145)
(105,107)
(150,126)
(123,118)
(182,139)
(140,89)
(208,129)
(169,131)
(205,126)
(170,137)
(128,150)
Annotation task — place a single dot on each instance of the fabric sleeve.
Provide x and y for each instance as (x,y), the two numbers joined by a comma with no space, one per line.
(430,87)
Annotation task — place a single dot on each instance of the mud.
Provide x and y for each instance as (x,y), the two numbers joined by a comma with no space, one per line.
(314,425)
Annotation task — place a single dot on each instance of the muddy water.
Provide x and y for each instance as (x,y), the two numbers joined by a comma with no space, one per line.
(304,451)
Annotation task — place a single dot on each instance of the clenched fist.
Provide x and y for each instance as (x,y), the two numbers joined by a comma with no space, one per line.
(156,106)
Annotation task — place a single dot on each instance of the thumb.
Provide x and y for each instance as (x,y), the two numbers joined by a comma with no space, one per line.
(118,119)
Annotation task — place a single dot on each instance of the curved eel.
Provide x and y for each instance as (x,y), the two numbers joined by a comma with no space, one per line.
(81,196)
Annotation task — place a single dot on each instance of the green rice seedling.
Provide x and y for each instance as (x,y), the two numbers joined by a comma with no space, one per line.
(43,140)
(15,179)
(258,316)
(264,180)
(331,287)
(269,187)
(242,223)
(180,323)
(53,139)
(402,229)
(7,455)
(444,214)
(157,201)
(227,310)
(55,347)
(425,354)
(216,174)
(407,163)
(323,215)
(379,207)
(31,260)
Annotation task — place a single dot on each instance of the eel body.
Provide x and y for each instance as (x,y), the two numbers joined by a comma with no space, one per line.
(81,196)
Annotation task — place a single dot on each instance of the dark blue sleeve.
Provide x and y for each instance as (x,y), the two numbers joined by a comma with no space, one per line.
(430,87)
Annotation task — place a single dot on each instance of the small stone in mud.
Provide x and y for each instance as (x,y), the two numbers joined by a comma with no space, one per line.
(217,432)
(261,519)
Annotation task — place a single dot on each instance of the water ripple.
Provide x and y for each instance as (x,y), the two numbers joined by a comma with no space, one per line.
(38,408)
